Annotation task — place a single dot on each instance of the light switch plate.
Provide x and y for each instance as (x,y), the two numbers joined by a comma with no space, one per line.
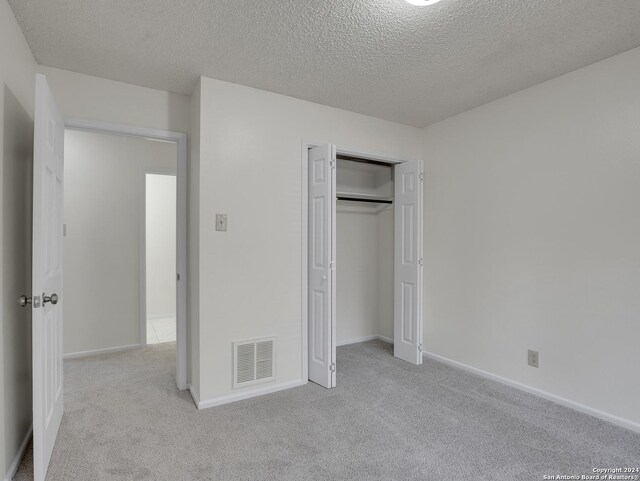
(532,358)
(221,222)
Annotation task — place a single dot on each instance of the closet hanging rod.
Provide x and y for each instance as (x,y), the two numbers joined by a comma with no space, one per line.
(360,199)
(363,161)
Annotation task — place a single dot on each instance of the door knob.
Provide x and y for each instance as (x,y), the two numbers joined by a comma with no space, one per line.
(53,299)
(24,300)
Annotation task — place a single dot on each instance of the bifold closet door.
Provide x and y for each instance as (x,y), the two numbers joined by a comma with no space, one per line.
(322,208)
(407,332)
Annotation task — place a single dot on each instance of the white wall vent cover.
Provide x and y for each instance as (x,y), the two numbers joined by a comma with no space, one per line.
(253,362)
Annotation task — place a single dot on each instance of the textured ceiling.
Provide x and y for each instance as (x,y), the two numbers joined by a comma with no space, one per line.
(384,58)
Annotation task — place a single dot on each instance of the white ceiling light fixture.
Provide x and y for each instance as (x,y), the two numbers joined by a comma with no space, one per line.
(422,3)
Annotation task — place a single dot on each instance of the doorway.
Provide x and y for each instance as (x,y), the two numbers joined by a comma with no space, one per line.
(153,144)
(160,257)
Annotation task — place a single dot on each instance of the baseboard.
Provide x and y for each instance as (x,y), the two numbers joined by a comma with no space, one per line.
(357,340)
(208,403)
(625,423)
(161,316)
(95,352)
(15,464)
(365,339)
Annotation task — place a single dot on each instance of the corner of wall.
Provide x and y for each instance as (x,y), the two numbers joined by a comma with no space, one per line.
(3,465)
(194,241)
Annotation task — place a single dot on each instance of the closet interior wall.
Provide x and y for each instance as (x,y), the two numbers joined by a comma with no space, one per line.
(364,256)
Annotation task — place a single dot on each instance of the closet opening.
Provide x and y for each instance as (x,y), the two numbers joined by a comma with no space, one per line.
(362,245)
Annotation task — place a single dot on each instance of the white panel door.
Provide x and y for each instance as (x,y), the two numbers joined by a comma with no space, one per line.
(407,333)
(47,295)
(322,200)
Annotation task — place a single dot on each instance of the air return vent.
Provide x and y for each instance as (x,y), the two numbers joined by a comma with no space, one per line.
(253,362)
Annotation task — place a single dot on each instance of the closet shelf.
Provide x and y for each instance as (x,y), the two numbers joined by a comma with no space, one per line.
(363,198)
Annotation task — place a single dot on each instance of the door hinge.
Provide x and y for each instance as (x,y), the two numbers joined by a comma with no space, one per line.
(332,163)
(332,367)
(332,266)
(420,262)
(421,176)
(420,347)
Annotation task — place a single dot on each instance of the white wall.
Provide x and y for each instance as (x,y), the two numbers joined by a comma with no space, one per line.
(84,96)
(193,251)
(357,274)
(364,270)
(250,163)
(385,273)
(17,68)
(532,233)
(103,197)
(161,245)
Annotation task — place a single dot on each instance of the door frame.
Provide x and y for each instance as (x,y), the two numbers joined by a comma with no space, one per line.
(180,139)
(142,243)
(304,180)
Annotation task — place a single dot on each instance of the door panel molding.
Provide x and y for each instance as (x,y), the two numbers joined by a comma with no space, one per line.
(407,280)
(321,242)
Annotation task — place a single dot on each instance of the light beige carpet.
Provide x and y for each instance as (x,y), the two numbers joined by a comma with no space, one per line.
(386,420)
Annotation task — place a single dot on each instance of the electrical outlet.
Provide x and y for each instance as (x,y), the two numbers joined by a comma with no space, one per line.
(533,358)
(221,222)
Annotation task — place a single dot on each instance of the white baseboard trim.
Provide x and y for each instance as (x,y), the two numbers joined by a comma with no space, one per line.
(365,339)
(95,352)
(357,340)
(622,422)
(15,464)
(153,317)
(208,403)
